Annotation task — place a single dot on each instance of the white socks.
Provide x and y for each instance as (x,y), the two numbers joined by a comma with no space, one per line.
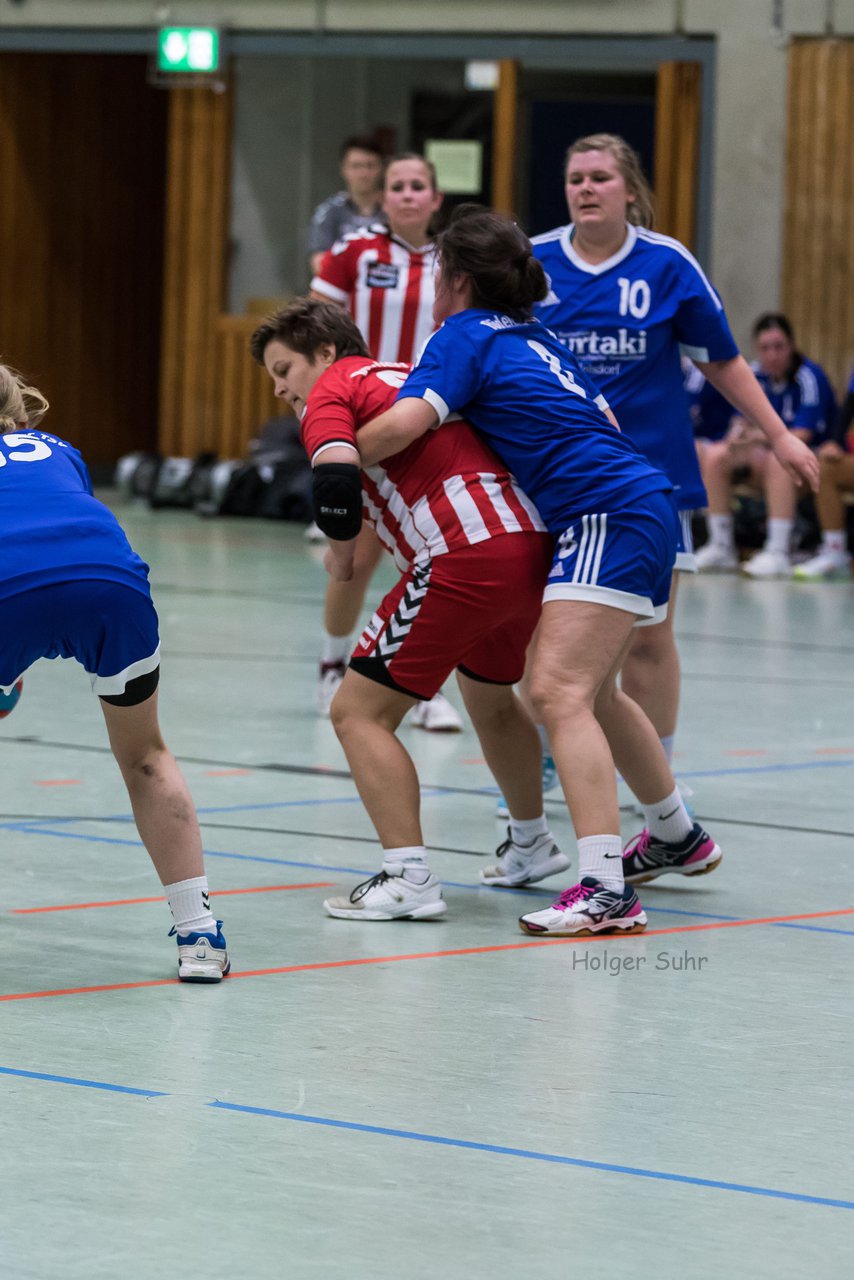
(335,649)
(409,861)
(722,531)
(602,858)
(833,541)
(779,536)
(524,833)
(668,820)
(190,905)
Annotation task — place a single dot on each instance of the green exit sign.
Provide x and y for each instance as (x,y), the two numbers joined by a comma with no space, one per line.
(194,49)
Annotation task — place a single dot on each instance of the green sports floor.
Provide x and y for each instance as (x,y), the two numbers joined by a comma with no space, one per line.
(438,1099)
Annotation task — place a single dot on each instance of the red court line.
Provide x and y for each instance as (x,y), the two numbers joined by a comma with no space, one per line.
(128,902)
(435,955)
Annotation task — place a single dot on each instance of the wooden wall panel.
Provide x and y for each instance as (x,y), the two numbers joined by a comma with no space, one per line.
(505,137)
(677,149)
(244,390)
(195,268)
(818,232)
(82,152)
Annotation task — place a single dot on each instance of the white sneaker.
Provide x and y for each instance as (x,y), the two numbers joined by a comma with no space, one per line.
(713,558)
(327,686)
(768,564)
(202,957)
(390,897)
(525,863)
(314,534)
(436,716)
(827,564)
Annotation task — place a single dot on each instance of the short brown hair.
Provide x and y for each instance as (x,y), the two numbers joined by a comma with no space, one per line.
(306,324)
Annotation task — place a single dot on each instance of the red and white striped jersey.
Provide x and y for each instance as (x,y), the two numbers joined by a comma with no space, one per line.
(388,286)
(446,491)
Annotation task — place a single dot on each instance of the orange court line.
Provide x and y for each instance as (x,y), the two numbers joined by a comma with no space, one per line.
(227,773)
(435,955)
(748,751)
(59,782)
(128,902)
(834,751)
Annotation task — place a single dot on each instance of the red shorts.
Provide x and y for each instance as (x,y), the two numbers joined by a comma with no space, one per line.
(474,609)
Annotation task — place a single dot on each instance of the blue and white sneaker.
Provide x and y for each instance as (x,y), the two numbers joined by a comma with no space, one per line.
(588,908)
(202,957)
(550,781)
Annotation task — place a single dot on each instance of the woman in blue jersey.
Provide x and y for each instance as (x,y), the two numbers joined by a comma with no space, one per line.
(626,302)
(72,587)
(800,392)
(616,528)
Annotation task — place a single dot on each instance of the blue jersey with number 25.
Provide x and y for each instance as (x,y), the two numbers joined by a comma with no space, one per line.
(526,395)
(51,527)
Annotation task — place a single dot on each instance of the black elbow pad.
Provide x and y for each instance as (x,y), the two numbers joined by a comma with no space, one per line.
(337,497)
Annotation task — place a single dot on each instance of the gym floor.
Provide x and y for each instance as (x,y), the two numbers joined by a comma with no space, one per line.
(437,1099)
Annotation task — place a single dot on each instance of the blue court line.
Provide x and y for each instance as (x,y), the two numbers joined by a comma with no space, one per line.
(520,1153)
(84,1084)
(768,768)
(360,871)
(814,928)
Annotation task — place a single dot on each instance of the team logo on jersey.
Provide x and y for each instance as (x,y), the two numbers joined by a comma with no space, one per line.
(382,275)
(590,345)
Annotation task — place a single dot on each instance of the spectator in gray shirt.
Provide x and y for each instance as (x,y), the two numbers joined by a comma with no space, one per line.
(357,206)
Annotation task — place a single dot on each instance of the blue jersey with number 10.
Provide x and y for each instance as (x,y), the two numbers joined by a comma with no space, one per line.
(627,320)
(515,383)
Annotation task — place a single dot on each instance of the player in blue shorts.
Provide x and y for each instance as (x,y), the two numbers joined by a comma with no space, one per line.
(627,303)
(616,528)
(72,587)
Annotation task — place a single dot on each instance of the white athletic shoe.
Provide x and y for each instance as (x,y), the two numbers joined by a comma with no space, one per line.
(331,675)
(768,564)
(825,565)
(202,957)
(314,534)
(525,863)
(713,558)
(390,897)
(436,716)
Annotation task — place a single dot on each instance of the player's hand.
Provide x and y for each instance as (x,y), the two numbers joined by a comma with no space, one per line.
(797,460)
(338,566)
(830,451)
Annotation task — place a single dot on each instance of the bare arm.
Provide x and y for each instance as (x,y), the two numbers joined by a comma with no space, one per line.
(735,380)
(396,429)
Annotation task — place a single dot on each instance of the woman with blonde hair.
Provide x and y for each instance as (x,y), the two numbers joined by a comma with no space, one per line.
(628,302)
(71,586)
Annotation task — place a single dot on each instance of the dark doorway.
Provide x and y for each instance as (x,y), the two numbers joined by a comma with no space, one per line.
(83,157)
(556,109)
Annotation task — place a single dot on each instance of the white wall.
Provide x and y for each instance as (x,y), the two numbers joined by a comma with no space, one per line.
(291,114)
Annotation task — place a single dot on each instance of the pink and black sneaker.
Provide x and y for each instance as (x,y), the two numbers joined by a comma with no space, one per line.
(646,858)
(586,909)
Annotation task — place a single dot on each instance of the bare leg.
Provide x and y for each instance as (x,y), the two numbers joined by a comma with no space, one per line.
(837,478)
(162,806)
(579,647)
(510,744)
(365,716)
(344,600)
(651,673)
(626,726)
